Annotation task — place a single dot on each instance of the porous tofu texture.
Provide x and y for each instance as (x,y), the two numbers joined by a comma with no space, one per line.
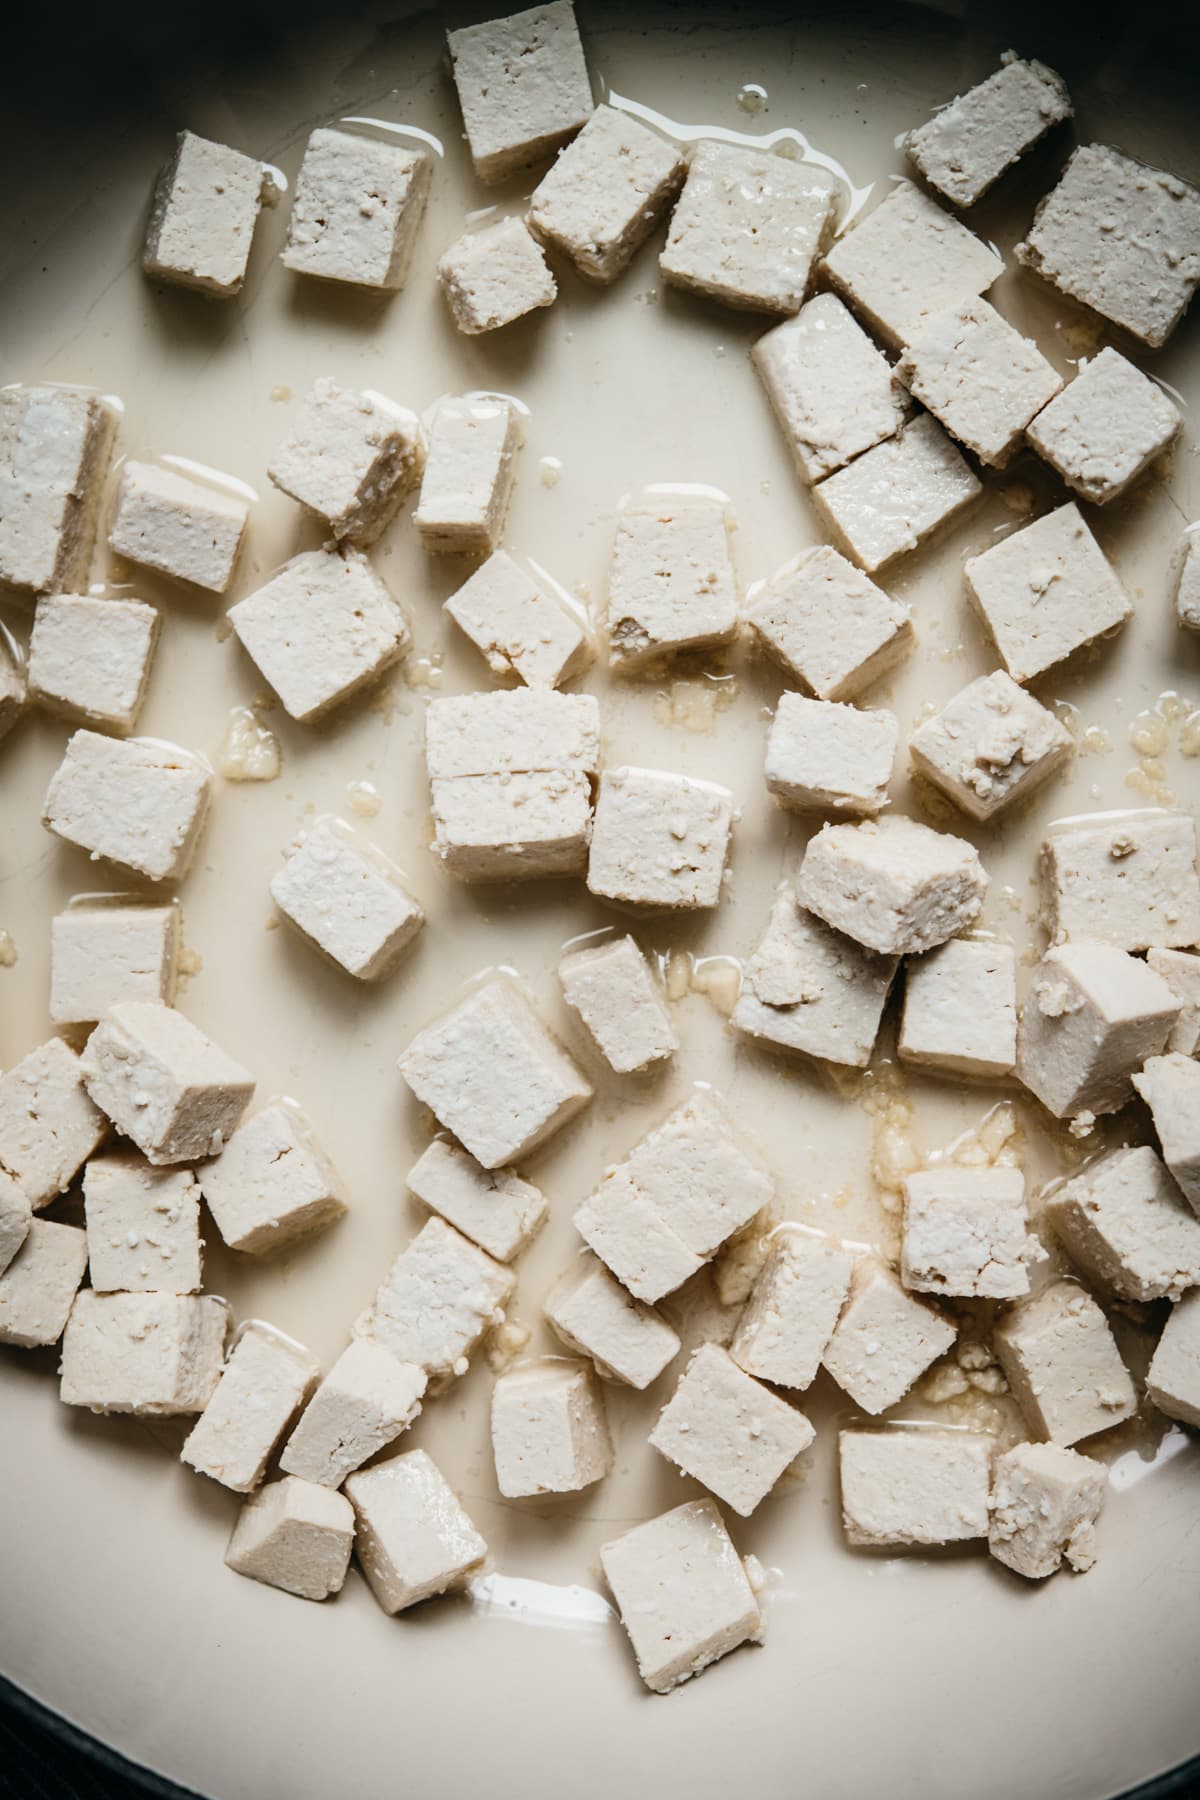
(979,376)
(960,1009)
(620,1002)
(828,757)
(272,1182)
(48,1125)
(671,584)
(1173,1382)
(1126,1225)
(1170,1086)
(143,1227)
(101,953)
(90,659)
(494,276)
(16,1216)
(606,193)
(163,1083)
(969,143)
(1105,428)
(914,1487)
(413,1538)
(1187,580)
(440,1296)
(469,472)
(885,1339)
(1063,1365)
(965,1233)
(470,736)
(748,227)
(793,1309)
(38,1288)
(1180,969)
(183,528)
(1092,1016)
(151,1354)
(729,1431)
(358,205)
(1044,1506)
(522,84)
(1127,878)
(55,447)
(262,1387)
(140,803)
(493,1207)
(518,626)
(832,392)
(202,216)
(886,502)
(350,459)
(829,625)
(364,1403)
(893,885)
(549,1429)
(990,745)
(682,1592)
(592,1313)
(295,1536)
(1122,237)
(659,840)
(347,900)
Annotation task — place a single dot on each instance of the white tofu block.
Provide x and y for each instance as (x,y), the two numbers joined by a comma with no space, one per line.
(363,1404)
(592,1313)
(633,1238)
(347,900)
(518,626)
(793,1309)
(659,839)
(494,276)
(1127,878)
(512,733)
(1092,1016)
(513,827)
(671,584)
(991,745)
(1127,1226)
(907,260)
(1105,428)
(811,989)
(829,625)
(912,1487)
(263,1386)
(885,1339)
(979,376)
(522,84)
(1122,237)
(350,458)
(966,1234)
(38,1288)
(272,1182)
(682,1592)
(960,1009)
(825,756)
(469,472)
(295,1536)
(413,1540)
(202,216)
(606,193)
(832,392)
(1173,1382)
(1170,1086)
(140,802)
(12,683)
(440,1296)
(16,1216)
(978,136)
(90,659)
(359,202)
(55,447)
(163,1083)
(103,952)
(1180,969)
(1044,1506)
(151,1354)
(180,527)
(1063,1365)
(620,1002)
(891,499)
(549,1429)
(493,1207)
(748,228)
(48,1125)
(1187,580)
(143,1227)
(893,885)
(492,1074)
(729,1431)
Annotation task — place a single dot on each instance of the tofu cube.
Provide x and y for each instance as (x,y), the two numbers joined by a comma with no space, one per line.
(831,390)
(1044,1506)
(1126,1225)
(440,1297)
(549,1429)
(969,143)
(413,1538)
(263,1385)
(358,206)
(363,1404)
(473,443)
(793,1309)
(960,1009)
(140,803)
(202,216)
(12,684)
(991,745)
(893,885)
(659,840)
(592,1313)
(522,84)
(55,447)
(1092,1016)
(979,376)
(16,1216)
(825,756)
(885,1339)
(102,952)
(728,1431)
(671,584)
(1106,428)
(1170,1086)
(620,1002)
(494,276)
(748,228)
(350,459)
(606,192)
(966,1234)
(347,900)
(474,735)
(272,1182)
(186,529)
(1126,878)
(90,659)
(1063,1365)
(1173,1382)
(1187,580)
(829,625)
(518,626)
(154,1355)
(1122,237)
(891,499)
(143,1227)
(682,1592)
(295,1536)
(908,1488)
(1180,969)
(163,1083)
(38,1288)
(48,1125)
(493,1207)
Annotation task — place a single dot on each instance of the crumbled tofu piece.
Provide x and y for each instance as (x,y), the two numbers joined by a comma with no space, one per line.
(793,1309)
(364,1403)
(729,1431)
(493,1207)
(989,746)
(549,1429)
(38,1288)
(833,393)
(163,1083)
(138,802)
(16,1216)
(978,136)
(1180,969)
(748,227)
(1063,1365)
(915,1486)
(522,84)
(270,1182)
(825,756)
(143,1227)
(184,529)
(263,1386)
(295,1536)
(606,193)
(469,473)
(517,626)
(659,839)
(48,1125)
(617,996)
(1044,1506)
(893,885)
(103,952)
(1122,237)
(671,583)
(440,1296)
(889,500)
(1187,580)
(1105,428)
(1128,879)
(1127,1226)
(494,276)
(90,659)
(907,260)
(347,900)
(683,1593)
(359,202)
(202,216)
(151,1354)
(829,625)
(592,1313)
(885,1339)
(1170,1086)
(960,1009)
(1173,1382)
(350,459)
(55,447)
(979,376)
(1092,1016)
(414,1540)
(13,692)
(966,1234)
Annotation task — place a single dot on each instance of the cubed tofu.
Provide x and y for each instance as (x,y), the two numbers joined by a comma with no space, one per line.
(979,376)
(140,802)
(359,202)
(1044,1506)
(364,1403)
(1170,1086)
(469,473)
(38,1288)
(1186,580)
(885,1339)
(728,1431)
(48,1125)
(1106,428)
(1127,878)
(1127,1226)
(833,393)
(1063,1365)
(493,1207)
(518,626)
(966,1234)
(150,1354)
(977,137)
(960,1009)
(1173,1382)
(659,840)
(350,458)
(413,1538)
(295,1536)
(621,1004)
(991,745)
(90,659)
(102,952)
(494,276)
(16,1216)
(888,501)
(829,625)
(1180,969)
(1122,237)
(895,886)
(1092,1016)
(189,530)
(912,1487)
(592,1313)
(13,686)
(793,1309)
(606,193)
(271,1182)
(346,899)
(263,1386)
(683,1593)
(55,447)
(549,1429)
(143,1227)
(469,736)
(440,1296)
(522,84)
(825,756)
(163,1083)
(671,583)
(202,216)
